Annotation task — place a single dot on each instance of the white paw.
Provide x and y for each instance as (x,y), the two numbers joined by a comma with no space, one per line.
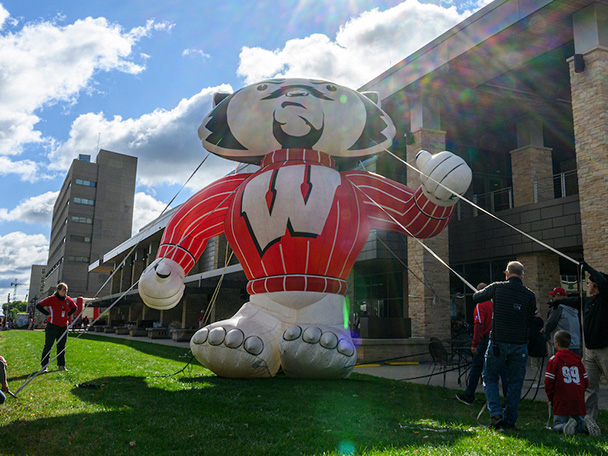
(243,346)
(230,337)
(317,352)
(449,170)
(161,285)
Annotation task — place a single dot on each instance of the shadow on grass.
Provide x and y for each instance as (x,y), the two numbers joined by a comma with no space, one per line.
(210,415)
(149,348)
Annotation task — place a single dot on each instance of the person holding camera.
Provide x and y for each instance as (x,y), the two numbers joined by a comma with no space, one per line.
(513,312)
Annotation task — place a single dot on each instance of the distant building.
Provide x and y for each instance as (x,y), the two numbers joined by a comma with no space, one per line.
(92,214)
(37,282)
(36,291)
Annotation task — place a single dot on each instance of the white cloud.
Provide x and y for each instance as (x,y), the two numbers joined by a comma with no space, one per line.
(44,63)
(166,142)
(37,209)
(4,15)
(145,209)
(363,47)
(194,52)
(27,170)
(18,251)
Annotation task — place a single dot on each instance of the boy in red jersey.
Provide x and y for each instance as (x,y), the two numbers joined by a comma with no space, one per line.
(565,384)
(60,307)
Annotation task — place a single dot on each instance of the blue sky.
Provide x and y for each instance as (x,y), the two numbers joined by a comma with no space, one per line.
(137,77)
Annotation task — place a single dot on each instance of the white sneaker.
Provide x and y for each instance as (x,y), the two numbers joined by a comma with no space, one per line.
(570,427)
(592,426)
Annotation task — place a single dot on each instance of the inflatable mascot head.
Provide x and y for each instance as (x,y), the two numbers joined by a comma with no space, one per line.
(295,113)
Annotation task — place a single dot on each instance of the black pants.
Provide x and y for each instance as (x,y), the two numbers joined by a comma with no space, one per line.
(54,333)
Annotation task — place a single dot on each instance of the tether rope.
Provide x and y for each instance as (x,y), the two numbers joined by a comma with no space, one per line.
(532,238)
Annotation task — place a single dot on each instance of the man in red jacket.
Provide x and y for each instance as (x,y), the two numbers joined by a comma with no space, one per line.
(59,307)
(565,383)
(482,325)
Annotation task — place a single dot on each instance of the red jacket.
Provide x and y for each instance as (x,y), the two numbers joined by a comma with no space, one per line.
(565,383)
(60,309)
(482,318)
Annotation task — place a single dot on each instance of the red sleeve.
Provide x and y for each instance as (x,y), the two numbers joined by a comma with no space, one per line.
(197,220)
(46,301)
(72,304)
(550,378)
(392,206)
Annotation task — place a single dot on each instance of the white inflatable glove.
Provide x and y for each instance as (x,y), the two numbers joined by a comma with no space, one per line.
(448,169)
(161,285)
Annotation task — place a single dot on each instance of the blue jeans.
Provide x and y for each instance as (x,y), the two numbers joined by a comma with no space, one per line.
(559,421)
(514,358)
(477,369)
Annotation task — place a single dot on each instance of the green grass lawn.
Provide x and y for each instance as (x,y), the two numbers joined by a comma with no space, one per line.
(133,409)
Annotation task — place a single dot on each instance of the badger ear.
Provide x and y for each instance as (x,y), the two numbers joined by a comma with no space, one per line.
(218,97)
(372,96)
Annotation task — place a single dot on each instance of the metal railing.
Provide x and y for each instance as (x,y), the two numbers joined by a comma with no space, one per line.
(496,200)
(556,186)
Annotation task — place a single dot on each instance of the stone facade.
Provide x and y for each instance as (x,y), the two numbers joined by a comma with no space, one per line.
(541,275)
(531,164)
(589,101)
(428,280)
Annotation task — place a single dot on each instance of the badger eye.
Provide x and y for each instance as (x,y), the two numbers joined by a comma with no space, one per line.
(331,88)
(262,87)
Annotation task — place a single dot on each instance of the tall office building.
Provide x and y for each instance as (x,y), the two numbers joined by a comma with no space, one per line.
(92,214)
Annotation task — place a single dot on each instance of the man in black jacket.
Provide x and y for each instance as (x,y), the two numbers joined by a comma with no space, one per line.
(513,312)
(595,330)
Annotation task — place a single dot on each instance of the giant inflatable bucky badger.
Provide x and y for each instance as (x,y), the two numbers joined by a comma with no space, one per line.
(296,225)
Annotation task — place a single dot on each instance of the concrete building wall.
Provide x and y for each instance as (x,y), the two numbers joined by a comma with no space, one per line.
(93,213)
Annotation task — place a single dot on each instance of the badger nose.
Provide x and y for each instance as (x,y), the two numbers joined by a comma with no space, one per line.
(297,93)
(163,271)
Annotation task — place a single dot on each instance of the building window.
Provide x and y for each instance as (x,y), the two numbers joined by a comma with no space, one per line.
(86,183)
(85,201)
(87,220)
(76,238)
(78,259)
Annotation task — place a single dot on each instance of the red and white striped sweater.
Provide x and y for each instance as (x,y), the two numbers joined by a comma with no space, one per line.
(297,223)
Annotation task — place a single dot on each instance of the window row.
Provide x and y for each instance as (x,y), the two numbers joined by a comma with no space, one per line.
(77,238)
(88,202)
(86,220)
(78,259)
(86,183)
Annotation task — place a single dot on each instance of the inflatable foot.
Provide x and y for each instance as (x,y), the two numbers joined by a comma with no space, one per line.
(317,351)
(243,346)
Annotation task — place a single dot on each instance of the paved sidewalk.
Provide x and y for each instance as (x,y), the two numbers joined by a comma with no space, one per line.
(407,372)
(397,371)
